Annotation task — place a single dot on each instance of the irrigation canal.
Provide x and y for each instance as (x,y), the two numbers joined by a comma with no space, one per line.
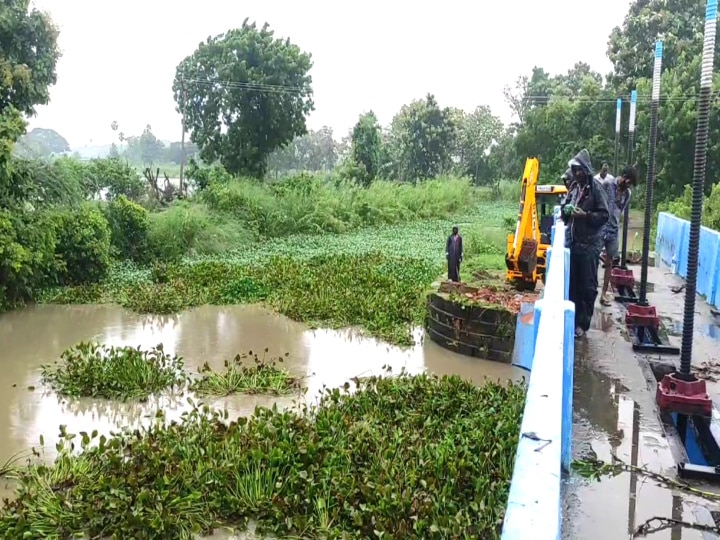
(614,407)
(38,335)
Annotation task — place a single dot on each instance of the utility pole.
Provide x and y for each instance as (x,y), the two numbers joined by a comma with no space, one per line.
(618,120)
(652,143)
(631,147)
(182,138)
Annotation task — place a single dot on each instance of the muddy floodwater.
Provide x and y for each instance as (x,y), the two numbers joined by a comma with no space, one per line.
(38,335)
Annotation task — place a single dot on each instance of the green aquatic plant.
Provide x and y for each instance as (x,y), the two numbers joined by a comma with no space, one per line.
(392,457)
(125,373)
(260,376)
(376,279)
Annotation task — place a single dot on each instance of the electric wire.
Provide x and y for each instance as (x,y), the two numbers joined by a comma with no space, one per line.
(532,99)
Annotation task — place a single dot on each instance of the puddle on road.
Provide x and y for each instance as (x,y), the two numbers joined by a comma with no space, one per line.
(602,320)
(607,422)
(38,335)
(675,328)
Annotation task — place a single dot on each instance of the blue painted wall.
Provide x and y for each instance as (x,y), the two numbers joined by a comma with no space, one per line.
(671,245)
(534,503)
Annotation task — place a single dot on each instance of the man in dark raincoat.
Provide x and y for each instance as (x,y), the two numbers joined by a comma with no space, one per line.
(454,254)
(585,212)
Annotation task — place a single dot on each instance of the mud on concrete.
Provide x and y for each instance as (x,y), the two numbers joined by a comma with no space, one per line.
(615,414)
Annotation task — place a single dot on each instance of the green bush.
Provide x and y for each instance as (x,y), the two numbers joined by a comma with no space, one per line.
(117,176)
(129,224)
(27,256)
(191,229)
(83,245)
(44,183)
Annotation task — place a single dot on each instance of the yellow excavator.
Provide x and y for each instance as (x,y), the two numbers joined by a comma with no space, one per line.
(526,256)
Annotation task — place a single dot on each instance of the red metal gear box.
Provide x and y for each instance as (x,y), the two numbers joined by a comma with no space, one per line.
(642,316)
(622,278)
(684,397)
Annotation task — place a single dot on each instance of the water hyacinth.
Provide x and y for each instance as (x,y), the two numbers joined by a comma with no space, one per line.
(123,373)
(401,457)
(242,377)
(374,278)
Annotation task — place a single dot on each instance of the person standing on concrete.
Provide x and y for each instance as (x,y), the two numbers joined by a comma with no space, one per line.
(454,255)
(585,212)
(618,194)
(603,175)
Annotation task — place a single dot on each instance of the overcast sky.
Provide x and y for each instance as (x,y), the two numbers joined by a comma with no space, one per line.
(119,57)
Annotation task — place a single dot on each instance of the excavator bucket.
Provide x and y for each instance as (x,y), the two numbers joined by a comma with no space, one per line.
(527,260)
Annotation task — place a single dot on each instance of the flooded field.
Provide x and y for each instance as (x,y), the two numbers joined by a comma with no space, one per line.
(38,335)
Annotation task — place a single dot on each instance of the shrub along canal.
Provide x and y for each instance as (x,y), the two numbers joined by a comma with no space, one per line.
(446,425)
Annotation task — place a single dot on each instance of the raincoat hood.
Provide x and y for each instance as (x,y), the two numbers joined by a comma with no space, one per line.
(582,159)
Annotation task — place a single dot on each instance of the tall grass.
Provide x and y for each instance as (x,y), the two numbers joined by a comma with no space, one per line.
(192,229)
(235,213)
(307,204)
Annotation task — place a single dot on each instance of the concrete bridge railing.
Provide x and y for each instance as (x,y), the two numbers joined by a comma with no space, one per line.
(544,449)
(671,248)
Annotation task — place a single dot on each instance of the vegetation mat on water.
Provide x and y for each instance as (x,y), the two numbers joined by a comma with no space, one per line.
(382,294)
(263,376)
(375,278)
(98,371)
(405,457)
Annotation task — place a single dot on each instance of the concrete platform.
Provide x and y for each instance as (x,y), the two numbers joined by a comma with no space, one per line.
(615,412)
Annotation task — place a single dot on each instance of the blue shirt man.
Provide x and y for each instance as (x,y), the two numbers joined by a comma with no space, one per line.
(618,197)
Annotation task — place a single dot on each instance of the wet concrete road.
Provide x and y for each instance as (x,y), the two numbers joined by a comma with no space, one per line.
(38,335)
(615,413)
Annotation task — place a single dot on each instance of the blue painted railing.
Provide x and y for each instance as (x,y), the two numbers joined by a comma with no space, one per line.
(671,248)
(544,449)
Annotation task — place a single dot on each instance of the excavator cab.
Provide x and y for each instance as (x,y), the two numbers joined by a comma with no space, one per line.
(526,257)
(547,198)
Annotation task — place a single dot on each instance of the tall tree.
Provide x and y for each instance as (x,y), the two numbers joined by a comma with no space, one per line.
(679,23)
(146,149)
(41,143)
(244,94)
(365,149)
(563,114)
(28,57)
(113,153)
(477,132)
(28,42)
(423,135)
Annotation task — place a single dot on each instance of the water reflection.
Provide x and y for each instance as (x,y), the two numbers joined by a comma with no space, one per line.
(38,335)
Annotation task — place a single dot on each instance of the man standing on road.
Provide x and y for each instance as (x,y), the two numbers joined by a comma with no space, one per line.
(585,212)
(618,195)
(454,254)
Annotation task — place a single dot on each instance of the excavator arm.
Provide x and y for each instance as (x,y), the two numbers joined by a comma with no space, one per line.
(521,256)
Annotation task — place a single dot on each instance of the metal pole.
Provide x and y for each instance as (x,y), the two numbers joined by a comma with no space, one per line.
(631,126)
(701,139)
(654,107)
(618,113)
(631,142)
(182,139)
